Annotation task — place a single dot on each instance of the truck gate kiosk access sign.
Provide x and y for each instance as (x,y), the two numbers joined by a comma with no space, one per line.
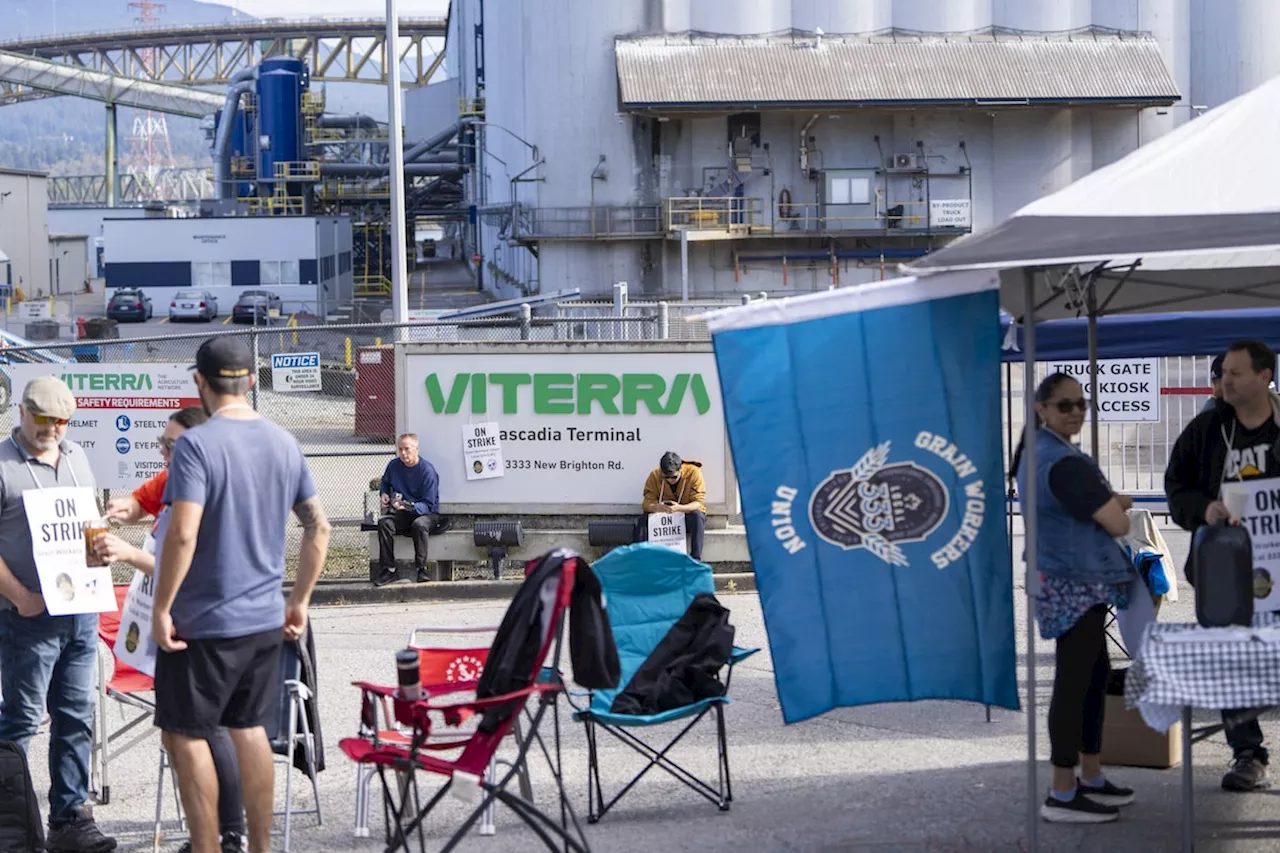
(580,425)
(1127,389)
(121,409)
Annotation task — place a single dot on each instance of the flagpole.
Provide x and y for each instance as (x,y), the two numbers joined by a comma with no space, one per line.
(1029,541)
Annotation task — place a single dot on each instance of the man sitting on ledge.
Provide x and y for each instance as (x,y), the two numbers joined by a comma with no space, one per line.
(677,486)
(410,494)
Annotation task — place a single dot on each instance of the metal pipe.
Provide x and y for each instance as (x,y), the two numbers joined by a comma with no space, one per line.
(399,263)
(222,144)
(381,170)
(1092,302)
(431,143)
(1029,536)
(113,161)
(337,120)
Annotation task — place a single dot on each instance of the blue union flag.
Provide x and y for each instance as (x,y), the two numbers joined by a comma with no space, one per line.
(865,428)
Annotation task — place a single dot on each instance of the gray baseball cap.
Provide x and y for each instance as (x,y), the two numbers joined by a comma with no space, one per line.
(49,396)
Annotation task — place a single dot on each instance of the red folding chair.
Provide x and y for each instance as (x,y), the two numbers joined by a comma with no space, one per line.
(438,664)
(549,581)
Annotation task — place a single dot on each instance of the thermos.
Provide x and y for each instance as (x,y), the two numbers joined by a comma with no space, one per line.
(410,677)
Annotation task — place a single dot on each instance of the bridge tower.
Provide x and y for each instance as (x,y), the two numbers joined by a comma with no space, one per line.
(149,149)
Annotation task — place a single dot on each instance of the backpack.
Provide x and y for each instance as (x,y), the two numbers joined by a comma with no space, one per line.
(1220,567)
(21,830)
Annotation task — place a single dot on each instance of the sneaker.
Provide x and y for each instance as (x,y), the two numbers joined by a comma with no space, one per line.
(1246,774)
(1107,793)
(423,576)
(80,835)
(1079,809)
(385,577)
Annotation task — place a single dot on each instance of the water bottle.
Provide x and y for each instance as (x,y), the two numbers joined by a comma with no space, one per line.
(410,676)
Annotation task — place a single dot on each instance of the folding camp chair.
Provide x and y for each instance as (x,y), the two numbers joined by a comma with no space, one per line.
(438,665)
(648,588)
(549,581)
(126,687)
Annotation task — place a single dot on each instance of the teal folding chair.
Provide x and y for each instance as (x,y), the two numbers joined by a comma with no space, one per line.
(647,588)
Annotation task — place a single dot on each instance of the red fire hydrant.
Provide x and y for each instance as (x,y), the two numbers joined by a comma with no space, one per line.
(80,328)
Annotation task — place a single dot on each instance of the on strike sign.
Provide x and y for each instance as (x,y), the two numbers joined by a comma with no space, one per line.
(1127,389)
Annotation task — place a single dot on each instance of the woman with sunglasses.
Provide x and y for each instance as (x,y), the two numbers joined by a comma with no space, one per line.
(147,500)
(1083,571)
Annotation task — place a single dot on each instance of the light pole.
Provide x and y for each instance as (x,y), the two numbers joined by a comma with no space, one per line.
(399,266)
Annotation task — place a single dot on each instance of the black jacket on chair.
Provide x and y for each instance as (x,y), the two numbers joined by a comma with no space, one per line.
(685,665)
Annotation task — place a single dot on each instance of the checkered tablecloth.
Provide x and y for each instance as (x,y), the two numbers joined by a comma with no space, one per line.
(1184,664)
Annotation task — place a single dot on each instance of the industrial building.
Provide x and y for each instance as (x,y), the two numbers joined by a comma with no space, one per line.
(305,260)
(24,230)
(706,148)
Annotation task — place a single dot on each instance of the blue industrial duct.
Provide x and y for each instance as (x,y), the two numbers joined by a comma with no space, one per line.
(241,83)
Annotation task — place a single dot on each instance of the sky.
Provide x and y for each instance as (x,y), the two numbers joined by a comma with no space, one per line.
(337,8)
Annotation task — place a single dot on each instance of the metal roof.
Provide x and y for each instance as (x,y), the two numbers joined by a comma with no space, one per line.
(989,69)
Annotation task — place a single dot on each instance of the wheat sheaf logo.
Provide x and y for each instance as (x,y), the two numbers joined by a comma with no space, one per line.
(879,506)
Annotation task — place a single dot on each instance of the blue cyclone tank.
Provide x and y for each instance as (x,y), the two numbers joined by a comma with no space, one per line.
(279,118)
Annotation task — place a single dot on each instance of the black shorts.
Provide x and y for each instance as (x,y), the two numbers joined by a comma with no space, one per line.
(232,683)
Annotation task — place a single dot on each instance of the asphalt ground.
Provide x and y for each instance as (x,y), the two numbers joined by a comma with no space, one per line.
(923,776)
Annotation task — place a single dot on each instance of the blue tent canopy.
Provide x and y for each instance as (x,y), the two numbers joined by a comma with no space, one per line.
(1146,335)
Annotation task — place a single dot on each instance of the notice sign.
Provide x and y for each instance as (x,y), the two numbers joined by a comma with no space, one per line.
(296,371)
(121,409)
(134,644)
(37,309)
(482,450)
(667,529)
(1262,519)
(1128,389)
(58,518)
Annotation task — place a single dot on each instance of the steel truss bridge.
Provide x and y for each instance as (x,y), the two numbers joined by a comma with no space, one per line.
(174,185)
(336,51)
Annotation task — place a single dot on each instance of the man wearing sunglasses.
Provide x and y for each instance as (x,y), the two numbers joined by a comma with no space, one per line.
(43,658)
(676,485)
(1238,439)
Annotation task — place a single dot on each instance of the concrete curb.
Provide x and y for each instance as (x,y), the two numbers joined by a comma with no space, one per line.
(403,592)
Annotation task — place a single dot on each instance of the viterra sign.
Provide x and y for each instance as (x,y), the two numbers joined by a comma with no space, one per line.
(577,429)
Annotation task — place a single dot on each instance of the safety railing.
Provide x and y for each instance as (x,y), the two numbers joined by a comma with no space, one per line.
(723,213)
(242,167)
(371,285)
(471,107)
(354,189)
(947,215)
(297,170)
(312,102)
(599,222)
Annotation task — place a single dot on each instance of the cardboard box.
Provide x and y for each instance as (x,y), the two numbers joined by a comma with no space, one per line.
(1128,741)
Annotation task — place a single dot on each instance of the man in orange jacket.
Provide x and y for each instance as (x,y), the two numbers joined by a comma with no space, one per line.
(676,486)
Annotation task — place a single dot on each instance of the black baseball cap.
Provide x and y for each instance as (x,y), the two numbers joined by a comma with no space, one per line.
(225,356)
(1215,369)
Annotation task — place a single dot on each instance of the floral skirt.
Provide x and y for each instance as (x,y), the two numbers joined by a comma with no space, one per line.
(1062,602)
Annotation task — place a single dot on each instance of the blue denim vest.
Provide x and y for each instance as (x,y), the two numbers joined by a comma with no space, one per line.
(1066,548)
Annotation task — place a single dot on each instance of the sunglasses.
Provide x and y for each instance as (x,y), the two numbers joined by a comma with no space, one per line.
(45,420)
(166,443)
(1066,406)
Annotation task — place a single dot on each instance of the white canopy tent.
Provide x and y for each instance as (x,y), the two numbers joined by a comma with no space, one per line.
(1189,222)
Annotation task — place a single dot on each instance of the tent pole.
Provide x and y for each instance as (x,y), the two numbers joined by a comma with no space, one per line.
(1092,302)
(1029,542)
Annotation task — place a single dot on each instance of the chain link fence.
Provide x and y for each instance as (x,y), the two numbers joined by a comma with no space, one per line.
(347,430)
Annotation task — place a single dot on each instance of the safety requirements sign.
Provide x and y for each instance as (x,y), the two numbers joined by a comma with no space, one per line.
(295,371)
(1128,389)
(121,409)
(577,427)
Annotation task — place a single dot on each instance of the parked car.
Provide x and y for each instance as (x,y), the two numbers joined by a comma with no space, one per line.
(130,304)
(255,306)
(193,305)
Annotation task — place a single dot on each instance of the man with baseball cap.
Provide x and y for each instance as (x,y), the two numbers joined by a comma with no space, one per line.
(220,617)
(1215,380)
(47,660)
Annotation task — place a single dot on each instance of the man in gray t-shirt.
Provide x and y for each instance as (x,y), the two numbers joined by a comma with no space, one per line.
(219,613)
